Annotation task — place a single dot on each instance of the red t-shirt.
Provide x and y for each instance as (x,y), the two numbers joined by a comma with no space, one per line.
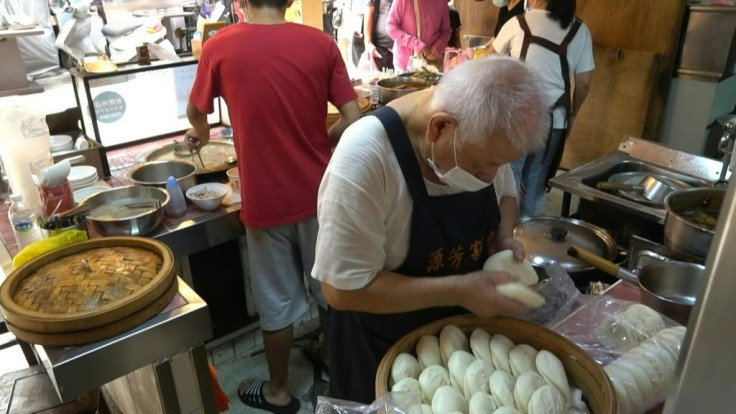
(276,81)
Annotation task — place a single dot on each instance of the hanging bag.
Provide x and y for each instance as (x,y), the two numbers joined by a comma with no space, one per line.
(454,57)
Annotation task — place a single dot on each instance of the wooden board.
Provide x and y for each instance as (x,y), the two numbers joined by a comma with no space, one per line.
(617,104)
(580,368)
(478,18)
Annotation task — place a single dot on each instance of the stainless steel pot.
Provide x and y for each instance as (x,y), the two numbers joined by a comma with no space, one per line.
(392,88)
(155,173)
(689,223)
(670,287)
(126,221)
(546,240)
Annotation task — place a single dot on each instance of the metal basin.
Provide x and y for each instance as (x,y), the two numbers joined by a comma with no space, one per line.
(119,218)
(155,173)
(636,166)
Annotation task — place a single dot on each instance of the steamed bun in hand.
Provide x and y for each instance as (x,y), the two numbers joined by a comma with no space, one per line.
(504,261)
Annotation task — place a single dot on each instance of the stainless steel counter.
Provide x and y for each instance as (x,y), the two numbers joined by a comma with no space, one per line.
(635,155)
(183,326)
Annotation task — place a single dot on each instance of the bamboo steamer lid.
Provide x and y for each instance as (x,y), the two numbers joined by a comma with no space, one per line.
(92,285)
(581,369)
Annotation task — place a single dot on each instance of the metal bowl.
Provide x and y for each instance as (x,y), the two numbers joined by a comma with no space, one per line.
(432,78)
(139,221)
(392,88)
(683,229)
(155,173)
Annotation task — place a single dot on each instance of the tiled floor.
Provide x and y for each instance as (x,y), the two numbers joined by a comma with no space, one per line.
(234,359)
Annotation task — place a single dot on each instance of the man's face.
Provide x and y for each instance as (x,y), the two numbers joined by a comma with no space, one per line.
(481,160)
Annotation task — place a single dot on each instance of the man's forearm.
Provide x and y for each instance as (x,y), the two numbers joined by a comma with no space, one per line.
(198,120)
(509,212)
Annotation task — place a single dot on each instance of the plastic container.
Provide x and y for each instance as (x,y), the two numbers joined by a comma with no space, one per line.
(26,144)
(177,205)
(23,221)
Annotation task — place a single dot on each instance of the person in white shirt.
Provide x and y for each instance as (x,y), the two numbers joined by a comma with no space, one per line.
(408,212)
(559,49)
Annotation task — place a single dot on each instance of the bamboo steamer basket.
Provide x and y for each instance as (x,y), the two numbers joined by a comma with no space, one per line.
(580,368)
(89,290)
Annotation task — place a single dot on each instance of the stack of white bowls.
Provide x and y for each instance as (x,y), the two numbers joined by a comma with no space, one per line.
(59,143)
(82,176)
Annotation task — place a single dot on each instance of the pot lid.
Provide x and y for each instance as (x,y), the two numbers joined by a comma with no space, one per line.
(546,240)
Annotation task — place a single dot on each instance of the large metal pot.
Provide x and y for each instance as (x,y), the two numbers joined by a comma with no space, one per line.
(392,88)
(133,217)
(690,221)
(155,173)
(546,240)
(669,287)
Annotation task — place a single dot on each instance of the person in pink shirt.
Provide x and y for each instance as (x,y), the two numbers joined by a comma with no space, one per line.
(434,28)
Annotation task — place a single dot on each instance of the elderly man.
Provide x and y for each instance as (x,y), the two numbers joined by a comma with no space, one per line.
(408,212)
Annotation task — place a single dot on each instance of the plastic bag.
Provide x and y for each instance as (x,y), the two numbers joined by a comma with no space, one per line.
(389,403)
(454,57)
(597,328)
(560,294)
(366,63)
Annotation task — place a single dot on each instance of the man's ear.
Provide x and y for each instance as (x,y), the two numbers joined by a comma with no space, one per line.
(437,125)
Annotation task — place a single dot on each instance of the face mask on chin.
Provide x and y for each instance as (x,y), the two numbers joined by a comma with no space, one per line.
(457,177)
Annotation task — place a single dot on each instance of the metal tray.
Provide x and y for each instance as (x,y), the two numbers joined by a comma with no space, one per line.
(636,178)
(218,155)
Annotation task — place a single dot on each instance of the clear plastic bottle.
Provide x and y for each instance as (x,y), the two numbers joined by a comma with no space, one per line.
(23,221)
(177,205)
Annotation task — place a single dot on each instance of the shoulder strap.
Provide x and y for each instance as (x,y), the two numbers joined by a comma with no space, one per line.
(417,17)
(401,144)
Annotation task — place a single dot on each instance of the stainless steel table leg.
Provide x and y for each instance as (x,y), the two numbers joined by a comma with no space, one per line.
(199,360)
(166,387)
(566,198)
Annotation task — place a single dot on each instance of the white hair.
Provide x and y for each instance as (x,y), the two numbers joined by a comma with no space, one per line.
(495,95)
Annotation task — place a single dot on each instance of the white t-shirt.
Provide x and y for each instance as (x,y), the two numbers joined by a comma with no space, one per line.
(364,208)
(545,62)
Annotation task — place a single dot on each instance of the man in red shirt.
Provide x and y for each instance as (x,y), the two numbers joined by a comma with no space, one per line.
(276,78)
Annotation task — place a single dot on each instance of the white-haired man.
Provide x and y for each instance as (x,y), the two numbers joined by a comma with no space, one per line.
(408,212)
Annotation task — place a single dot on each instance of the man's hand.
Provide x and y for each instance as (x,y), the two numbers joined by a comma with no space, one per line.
(193,141)
(371,48)
(477,293)
(510,243)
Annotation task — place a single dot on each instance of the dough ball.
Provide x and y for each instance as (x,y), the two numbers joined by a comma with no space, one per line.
(447,400)
(480,344)
(502,388)
(504,261)
(451,340)
(522,358)
(428,351)
(500,348)
(404,366)
(433,377)
(457,365)
(476,377)
(481,403)
(408,384)
(547,400)
(525,386)
(551,369)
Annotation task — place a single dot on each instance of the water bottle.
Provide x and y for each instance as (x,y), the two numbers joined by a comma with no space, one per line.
(23,221)
(177,205)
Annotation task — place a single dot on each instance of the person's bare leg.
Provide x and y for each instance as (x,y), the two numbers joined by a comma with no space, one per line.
(277,345)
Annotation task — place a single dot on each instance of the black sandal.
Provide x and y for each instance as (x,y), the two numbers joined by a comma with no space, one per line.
(253,397)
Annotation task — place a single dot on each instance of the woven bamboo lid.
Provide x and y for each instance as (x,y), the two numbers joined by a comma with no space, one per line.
(87,285)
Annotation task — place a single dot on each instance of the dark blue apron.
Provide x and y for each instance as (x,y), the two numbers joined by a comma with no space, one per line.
(449,235)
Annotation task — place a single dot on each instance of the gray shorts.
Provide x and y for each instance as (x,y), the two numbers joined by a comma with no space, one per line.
(280,258)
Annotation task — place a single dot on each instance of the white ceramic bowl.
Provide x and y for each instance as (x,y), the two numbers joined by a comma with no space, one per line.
(207,196)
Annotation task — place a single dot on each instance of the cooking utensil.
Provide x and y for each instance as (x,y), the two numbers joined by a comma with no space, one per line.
(155,173)
(546,240)
(669,287)
(646,188)
(690,221)
(197,147)
(393,88)
(215,154)
(609,186)
(120,223)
